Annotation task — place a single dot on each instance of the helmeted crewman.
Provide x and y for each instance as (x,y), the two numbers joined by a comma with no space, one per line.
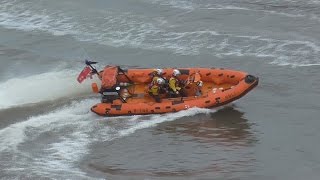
(175,84)
(155,89)
(156,73)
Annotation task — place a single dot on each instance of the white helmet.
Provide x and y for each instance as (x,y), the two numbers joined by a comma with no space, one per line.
(200,83)
(160,81)
(176,72)
(158,71)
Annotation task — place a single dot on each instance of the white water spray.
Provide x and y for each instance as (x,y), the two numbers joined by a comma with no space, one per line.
(42,87)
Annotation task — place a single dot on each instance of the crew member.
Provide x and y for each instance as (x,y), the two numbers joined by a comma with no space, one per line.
(175,84)
(156,73)
(155,89)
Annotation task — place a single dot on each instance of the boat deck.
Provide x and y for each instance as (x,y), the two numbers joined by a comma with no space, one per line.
(139,92)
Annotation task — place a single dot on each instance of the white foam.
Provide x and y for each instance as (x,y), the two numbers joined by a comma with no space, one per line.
(62,155)
(154,120)
(42,87)
(280,52)
(190,6)
(70,145)
(14,134)
(114,29)
(180,4)
(58,156)
(219,7)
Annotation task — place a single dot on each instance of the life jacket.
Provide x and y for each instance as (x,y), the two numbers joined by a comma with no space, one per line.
(154,89)
(174,84)
(153,81)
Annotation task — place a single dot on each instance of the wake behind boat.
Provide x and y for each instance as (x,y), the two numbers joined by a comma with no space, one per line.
(127,91)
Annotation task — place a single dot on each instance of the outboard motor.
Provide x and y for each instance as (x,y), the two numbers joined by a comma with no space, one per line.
(109,95)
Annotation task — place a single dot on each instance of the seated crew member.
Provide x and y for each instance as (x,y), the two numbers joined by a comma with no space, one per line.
(174,84)
(156,73)
(194,82)
(155,89)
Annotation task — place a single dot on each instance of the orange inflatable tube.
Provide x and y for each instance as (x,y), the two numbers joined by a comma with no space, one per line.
(218,87)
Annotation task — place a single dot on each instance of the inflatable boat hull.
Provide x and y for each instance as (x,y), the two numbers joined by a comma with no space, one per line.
(220,87)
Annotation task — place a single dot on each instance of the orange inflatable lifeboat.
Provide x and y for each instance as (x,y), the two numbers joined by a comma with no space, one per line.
(125,92)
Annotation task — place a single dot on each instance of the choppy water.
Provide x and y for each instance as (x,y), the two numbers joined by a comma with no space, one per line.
(48,132)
